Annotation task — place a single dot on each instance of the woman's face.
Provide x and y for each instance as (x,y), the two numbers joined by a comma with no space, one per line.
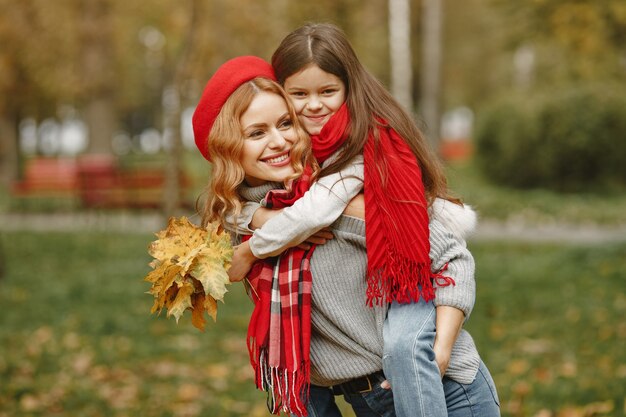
(269,135)
(316,96)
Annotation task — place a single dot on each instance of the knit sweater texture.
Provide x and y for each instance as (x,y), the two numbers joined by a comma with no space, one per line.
(347,335)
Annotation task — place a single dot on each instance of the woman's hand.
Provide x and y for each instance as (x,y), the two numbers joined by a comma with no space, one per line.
(356,207)
(243,259)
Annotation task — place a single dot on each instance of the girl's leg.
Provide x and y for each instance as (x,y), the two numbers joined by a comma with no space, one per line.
(322,402)
(479,398)
(409,360)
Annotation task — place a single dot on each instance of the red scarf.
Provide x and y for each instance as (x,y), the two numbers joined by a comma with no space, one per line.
(279,332)
(397,238)
(396,216)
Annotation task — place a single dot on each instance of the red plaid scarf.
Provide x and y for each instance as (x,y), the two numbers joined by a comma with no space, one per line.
(279,332)
(396,216)
(397,237)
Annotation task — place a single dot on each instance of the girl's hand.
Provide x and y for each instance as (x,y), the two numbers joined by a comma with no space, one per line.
(356,207)
(243,259)
(442,357)
(318,238)
(449,323)
(262,215)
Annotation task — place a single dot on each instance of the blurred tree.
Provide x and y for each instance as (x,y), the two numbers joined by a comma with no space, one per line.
(27,67)
(475,61)
(97,73)
(400,52)
(432,43)
(573,40)
(172,108)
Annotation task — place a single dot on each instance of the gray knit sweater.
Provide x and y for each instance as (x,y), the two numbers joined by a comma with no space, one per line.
(347,335)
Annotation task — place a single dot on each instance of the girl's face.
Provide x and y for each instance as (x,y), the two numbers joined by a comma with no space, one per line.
(268,135)
(316,96)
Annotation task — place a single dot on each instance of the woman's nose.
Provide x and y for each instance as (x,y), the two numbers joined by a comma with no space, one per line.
(276,139)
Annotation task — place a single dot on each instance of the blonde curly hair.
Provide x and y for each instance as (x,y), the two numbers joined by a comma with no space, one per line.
(226,148)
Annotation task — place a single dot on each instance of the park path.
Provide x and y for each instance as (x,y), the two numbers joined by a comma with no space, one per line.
(487,230)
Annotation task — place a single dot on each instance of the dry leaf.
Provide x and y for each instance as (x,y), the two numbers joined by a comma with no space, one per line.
(189,269)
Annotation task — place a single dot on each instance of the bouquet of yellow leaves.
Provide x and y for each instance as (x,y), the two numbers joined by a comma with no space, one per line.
(189,269)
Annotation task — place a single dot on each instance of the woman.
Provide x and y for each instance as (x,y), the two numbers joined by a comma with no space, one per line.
(346,343)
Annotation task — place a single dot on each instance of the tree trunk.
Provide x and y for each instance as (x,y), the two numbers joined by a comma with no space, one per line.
(171,125)
(9,155)
(172,112)
(98,77)
(432,17)
(400,51)
(101,120)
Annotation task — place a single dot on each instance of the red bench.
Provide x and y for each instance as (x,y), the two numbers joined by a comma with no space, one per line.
(48,177)
(95,181)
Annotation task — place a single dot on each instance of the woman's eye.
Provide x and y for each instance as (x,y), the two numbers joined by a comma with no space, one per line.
(298,94)
(255,134)
(329,92)
(285,124)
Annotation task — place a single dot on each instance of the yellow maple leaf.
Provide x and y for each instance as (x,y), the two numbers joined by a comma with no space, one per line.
(182,301)
(210,305)
(209,270)
(189,269)
(180,237)
(197,310)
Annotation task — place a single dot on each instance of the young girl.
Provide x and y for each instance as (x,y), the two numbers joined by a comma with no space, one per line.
(349,113)
(355,330)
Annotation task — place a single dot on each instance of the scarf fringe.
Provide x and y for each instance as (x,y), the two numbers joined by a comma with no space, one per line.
(404,281)
(287,391)
(442,280)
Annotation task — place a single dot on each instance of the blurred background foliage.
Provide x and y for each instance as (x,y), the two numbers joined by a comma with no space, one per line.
(532,103)
(127,67)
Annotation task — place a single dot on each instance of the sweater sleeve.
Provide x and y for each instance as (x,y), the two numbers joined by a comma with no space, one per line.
(241,224)
(319,207)
(447,248)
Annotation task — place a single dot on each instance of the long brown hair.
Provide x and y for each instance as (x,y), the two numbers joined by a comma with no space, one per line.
(326,46)
(225,146)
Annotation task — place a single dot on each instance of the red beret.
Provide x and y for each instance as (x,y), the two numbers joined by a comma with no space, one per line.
(222,84)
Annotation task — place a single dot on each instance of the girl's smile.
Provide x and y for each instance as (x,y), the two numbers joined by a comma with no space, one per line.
(316,96)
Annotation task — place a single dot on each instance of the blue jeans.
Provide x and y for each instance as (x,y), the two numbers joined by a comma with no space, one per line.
(322,402)
(479,398)
(376,403)
(409,360)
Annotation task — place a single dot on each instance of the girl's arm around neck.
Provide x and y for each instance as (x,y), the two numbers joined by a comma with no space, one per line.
(318,208)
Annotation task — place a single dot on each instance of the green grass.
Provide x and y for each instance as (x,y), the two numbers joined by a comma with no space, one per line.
(534,205)
(550,322)
(77,339)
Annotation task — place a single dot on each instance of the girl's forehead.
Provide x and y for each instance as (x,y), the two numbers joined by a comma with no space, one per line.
(312,74)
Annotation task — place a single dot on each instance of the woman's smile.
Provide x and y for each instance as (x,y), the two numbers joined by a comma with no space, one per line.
(278,160)
(269,135)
